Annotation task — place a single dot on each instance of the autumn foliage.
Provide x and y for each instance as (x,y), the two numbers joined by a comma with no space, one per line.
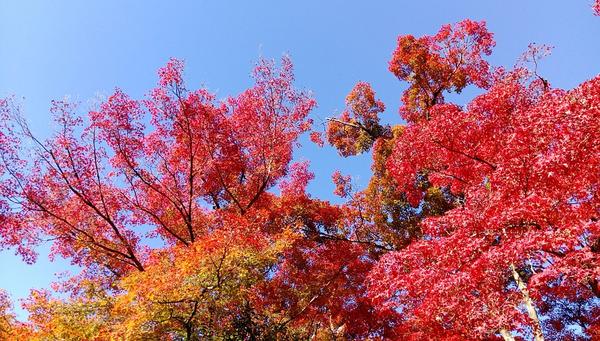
(190,219)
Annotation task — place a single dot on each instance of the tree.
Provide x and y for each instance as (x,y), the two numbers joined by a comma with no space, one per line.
(7,317)
(523,159)
(384,217)
(238,261)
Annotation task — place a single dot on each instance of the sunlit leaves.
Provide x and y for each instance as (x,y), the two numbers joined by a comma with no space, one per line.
(445,62)
(357,128)
(523,160)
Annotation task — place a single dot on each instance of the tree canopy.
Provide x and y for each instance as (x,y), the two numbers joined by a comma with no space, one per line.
(191,220)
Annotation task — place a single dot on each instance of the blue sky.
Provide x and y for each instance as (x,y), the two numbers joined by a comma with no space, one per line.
(83,49)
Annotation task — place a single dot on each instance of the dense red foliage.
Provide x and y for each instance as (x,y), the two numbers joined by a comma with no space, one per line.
(522,159)
(505,192)
(526,163)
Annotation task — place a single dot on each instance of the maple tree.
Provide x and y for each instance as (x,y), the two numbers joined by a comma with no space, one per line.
(513,181)
(179,166)
(523,160)
(190,220)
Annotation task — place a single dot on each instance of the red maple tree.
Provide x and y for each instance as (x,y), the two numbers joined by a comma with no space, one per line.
(522,162)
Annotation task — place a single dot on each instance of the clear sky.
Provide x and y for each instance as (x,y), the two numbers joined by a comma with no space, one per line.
(83,49)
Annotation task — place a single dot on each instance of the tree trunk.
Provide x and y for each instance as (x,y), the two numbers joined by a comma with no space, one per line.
(537,330)
(506,335)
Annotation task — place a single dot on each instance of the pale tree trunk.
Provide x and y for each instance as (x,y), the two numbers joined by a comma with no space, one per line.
(537,330)
(506,335)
